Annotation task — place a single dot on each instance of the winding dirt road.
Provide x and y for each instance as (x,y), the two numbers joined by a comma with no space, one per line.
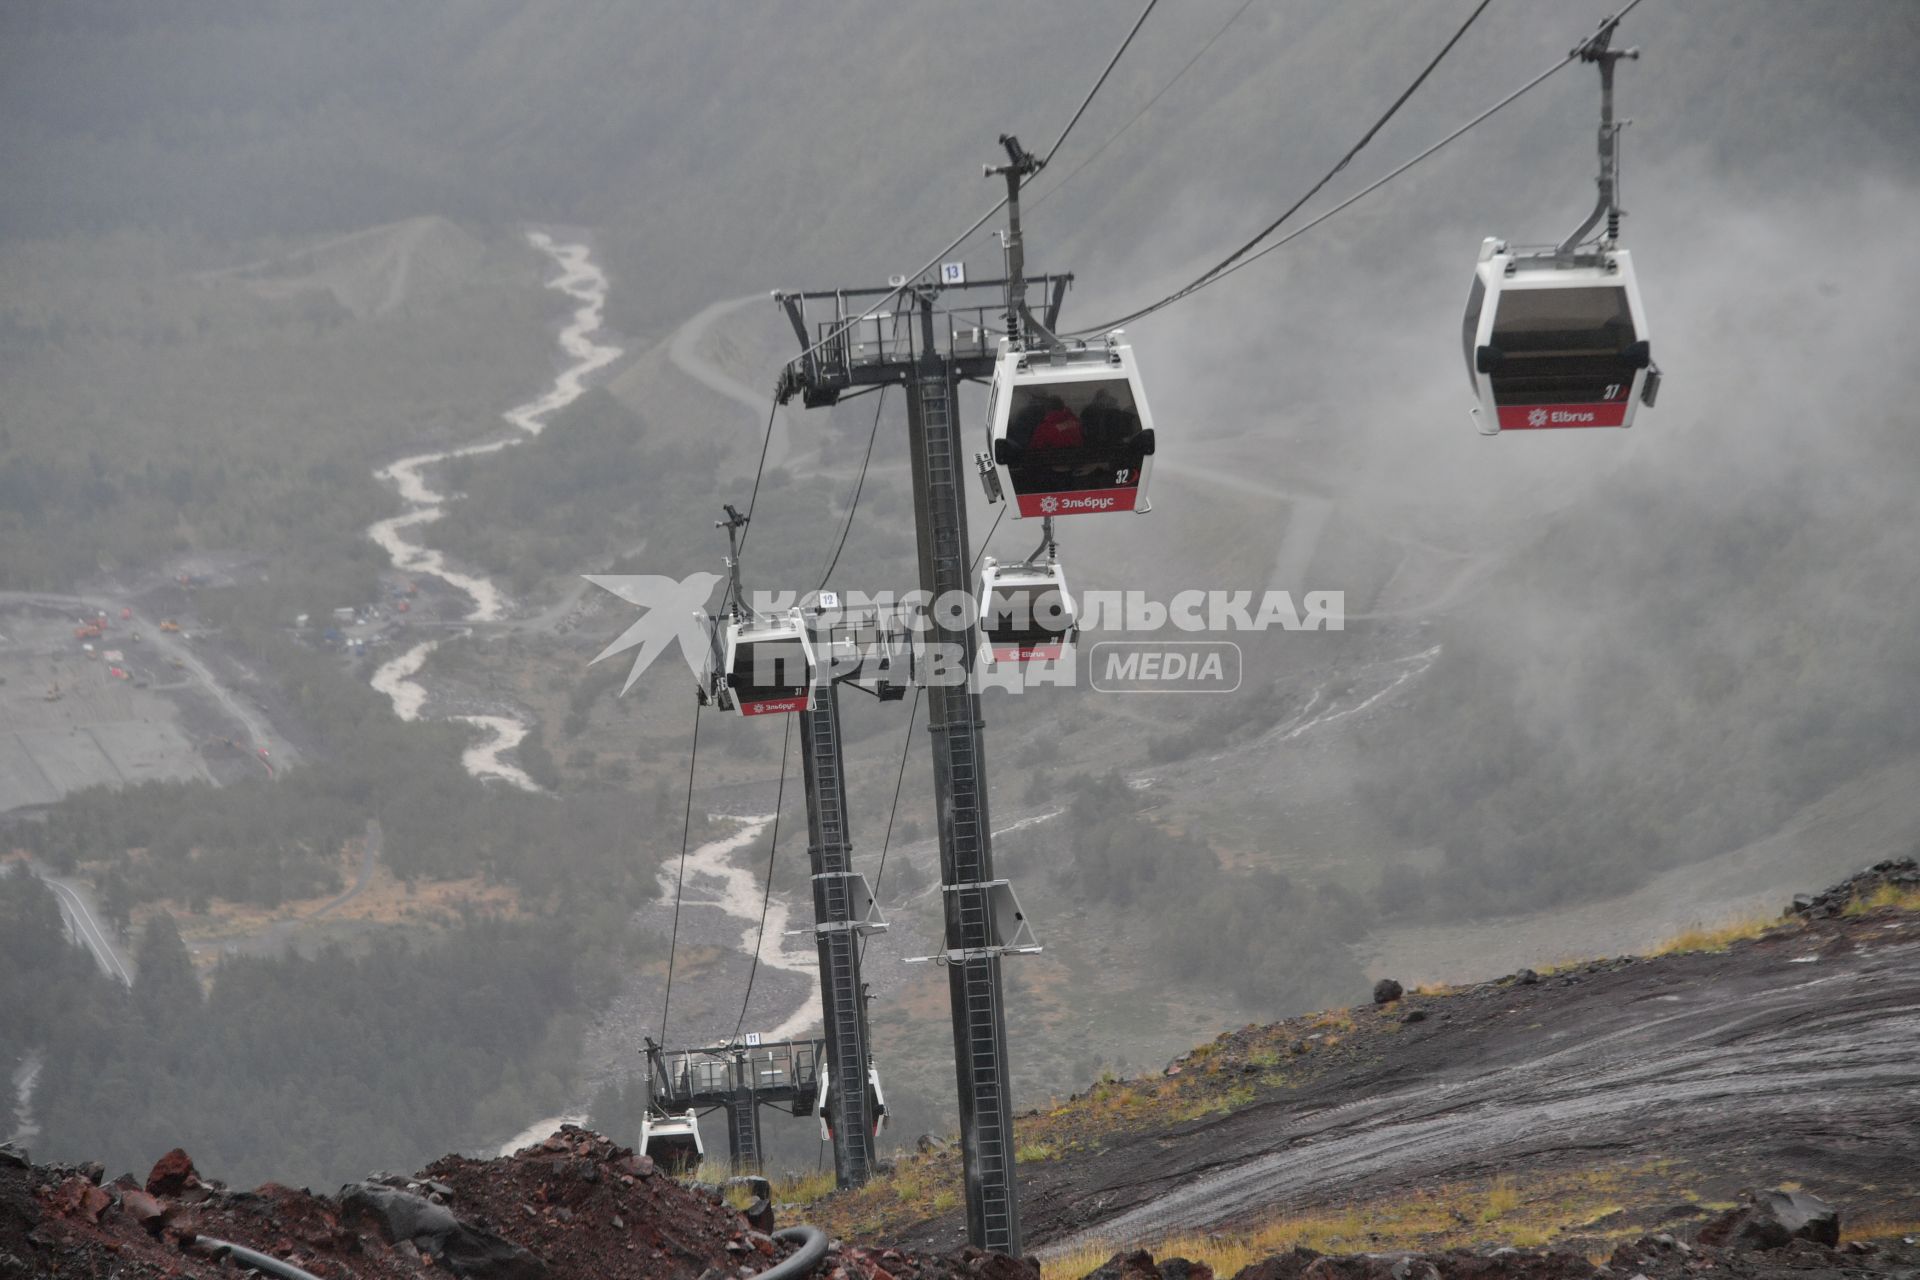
(684,351)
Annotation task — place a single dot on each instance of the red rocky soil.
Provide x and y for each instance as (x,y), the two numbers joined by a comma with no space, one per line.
(575,1205)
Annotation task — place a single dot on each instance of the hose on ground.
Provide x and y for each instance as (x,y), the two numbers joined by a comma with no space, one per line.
(812,1242)
(264,1262)
(813,1247)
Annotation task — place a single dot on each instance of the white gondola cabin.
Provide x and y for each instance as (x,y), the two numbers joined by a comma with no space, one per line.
(1026,613)
(767,665)
(672,1140)
(876,1103)
(1556,340)
(1069,430)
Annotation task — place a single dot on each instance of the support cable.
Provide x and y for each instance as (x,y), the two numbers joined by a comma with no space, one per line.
(760,470)
(1112,62)
(680,880)
(981,221)
(1222,267)
(853,503)
(1115,135)
(766,896)
(1368,190)
(906,748)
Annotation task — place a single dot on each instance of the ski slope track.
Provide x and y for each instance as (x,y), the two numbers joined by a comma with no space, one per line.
(1795,1056)
(586,284)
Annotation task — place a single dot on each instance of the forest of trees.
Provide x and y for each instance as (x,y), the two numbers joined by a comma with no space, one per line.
(1278,946)
(303,1070)
(265,841)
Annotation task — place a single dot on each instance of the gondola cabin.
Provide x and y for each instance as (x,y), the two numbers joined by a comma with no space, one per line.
(769,665)
(1026,614)
(1069,430)
(876,1104)
(1556,341)
(672,1140)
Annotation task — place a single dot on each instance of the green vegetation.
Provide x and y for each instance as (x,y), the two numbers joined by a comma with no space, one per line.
(265,841)
(1554,1209)
(301,1070)
(1718,937)
(157,406)
(1272,943)
(1886,896)
(595,478)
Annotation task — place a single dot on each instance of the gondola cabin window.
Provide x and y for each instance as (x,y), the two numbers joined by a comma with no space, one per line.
(1071,431)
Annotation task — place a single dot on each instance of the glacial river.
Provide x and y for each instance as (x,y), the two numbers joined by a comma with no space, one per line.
(400,536)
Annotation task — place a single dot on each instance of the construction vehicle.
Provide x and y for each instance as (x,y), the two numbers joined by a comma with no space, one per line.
(168,624)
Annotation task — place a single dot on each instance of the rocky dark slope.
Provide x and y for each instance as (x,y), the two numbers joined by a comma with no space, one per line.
(1671,1080)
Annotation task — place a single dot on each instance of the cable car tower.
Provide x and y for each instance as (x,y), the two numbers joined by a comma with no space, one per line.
(852,347)
(795,662)
(1556,336)
(735,1079)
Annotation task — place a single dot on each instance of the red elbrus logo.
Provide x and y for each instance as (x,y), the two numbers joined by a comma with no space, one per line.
(774,705)
(1080,503)
(1538,417)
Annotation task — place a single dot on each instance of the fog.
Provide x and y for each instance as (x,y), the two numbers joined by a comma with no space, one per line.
(251,260)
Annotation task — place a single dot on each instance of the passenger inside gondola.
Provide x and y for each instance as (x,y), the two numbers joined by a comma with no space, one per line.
(1072,436)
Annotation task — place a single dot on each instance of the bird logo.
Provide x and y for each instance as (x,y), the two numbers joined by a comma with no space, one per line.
(1538,418)
(675,608)
(1049,505)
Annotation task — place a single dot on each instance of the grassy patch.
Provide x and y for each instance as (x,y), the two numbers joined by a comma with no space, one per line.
(1881,1228)
(1716,937)
(1502,1198)
(804,1188)
(1459,1214)
(1887,895)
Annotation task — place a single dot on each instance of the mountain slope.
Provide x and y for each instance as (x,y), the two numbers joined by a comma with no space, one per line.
(1652,1080)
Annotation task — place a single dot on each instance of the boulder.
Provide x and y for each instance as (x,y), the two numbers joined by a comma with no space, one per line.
(988,1265)
(1136,1264)
(1281,1266)
(1386,991)
(172,1174)
(144,1209)
(1772,1220)
(1185,1269)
